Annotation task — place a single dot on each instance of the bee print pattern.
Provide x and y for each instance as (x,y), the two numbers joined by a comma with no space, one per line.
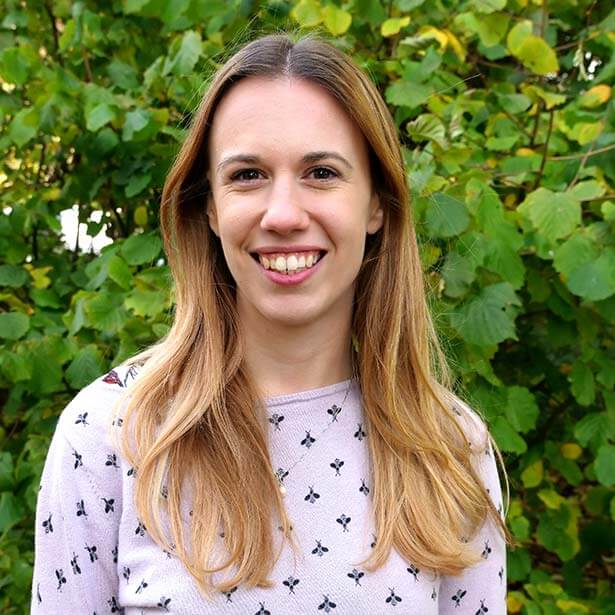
(74,563)
(486,550)
(337,464)
(92,552)
(163,603)
(275,420)
(291,583)
(334,411)
(82,419)
(140,529)
(78,460)
(359,434)
(327,604)
(112,460)
(126,573)
(229,594)
(262,610)
(364,489)
(482,609)
(142,586)
(357,575)
(458,597)
(109,504)
(113,605)
(308,440)
(344,521)
(414,571)
(319,549)
(312,496)
(61,579)
(393,599)
(47,525)
(81,509)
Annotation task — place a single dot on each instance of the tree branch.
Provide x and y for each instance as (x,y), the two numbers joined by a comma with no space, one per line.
(54,29)
(546,149)
(595,152)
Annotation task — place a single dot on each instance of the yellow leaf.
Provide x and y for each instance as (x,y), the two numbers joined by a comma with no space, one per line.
(140,215)
(525,151)
(52,194)
(518,34)
(392,26)
(427,32)
(307,12)
(586,132)
(551,498)
(337,20)
(456,45)
(596,96)
(39,276)
(513,603)
(532,475)
(568,605)
(535,93)
(570,450)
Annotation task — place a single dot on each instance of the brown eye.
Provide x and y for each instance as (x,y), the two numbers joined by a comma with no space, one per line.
(323,173)
(246,175)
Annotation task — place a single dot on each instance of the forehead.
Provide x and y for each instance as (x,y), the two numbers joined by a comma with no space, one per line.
(282,114)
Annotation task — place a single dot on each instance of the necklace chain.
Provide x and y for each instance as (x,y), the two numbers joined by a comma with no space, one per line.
(281,474)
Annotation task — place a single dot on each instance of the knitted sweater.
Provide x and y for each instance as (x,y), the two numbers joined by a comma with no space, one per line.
(94,556)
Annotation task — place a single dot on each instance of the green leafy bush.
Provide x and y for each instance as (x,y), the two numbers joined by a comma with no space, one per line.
(505,109)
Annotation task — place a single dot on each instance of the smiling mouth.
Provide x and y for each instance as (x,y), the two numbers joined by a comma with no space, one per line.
(289,263)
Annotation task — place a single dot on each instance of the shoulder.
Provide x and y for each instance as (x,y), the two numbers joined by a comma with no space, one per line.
(95,410)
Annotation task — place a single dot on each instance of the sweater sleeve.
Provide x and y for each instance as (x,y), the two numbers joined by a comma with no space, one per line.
(480,589)
(79,509)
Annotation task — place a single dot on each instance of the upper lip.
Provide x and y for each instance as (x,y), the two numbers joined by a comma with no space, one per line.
(287,249)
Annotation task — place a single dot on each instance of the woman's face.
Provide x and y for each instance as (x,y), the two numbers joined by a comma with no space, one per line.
(291,200)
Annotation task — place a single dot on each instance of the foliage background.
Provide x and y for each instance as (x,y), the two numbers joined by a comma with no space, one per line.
(506,114)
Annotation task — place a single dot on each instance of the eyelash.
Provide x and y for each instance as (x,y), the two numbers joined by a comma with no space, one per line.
(237,176)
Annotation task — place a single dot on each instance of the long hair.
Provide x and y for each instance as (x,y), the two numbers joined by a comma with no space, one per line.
(194,422)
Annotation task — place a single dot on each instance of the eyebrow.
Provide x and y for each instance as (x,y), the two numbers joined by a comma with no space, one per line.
(310,157)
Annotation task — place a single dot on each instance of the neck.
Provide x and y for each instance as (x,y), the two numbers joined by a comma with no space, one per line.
(287,359)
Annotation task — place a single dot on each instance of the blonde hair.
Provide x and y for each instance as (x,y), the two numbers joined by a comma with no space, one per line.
(194,423)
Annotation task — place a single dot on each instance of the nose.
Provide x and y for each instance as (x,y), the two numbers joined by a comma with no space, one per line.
(284,211)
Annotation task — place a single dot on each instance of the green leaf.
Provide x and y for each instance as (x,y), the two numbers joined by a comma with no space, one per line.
(427,127)
(336,20)
(533,51)
(590,426)
(13,325)
(137,184)
(521,408)
(184,54)
(576,251)
(489,317)
(488,6)
(393,25)
(87,365)
(553,532)
(586,132)
(587,190)
(553,214)
(13,276)
(446,216)
(519,565)
(403,93)
(6,471)
(24,126)
(146,303)
(307,13)
(582,383)
(491,29)
(133,6)
(458,273)
(134,122)
(122,74)
(506,437)
(605,465)
(13,66)
(507,263)
(595,280)
(532,475)
(119,272)
(11,511)
(141,249)
(105,313)
(98,116)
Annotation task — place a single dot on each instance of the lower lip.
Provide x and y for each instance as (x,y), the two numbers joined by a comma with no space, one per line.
(290,279)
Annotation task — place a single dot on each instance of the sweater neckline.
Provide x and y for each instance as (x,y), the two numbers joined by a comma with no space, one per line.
(311,394)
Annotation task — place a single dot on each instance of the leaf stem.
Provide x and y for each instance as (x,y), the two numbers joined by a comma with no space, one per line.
(545,150)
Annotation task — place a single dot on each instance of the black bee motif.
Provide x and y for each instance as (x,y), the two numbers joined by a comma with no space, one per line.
(81,509)
(319,549)
(291,583)
(126,573)
(434,595)
(113,605)
(48,525)
(455,410)
(393,599)
(486,550)
(344,521)
(78,460)
(337,464)
(229,593)
(326,605)
(164,602)
(308,440)
(262,610)
(113,378)
(414,571)
(364,489)
(141,587)
(359,434)
(501,574)
(131,472)
(109,504)
(164,492)
(112,460)
(281,474)
(118,422)
(75,564)
(275,420)
(140,530)
(482,609)
(312,496)
(114,553)
(334,412)
(82,419)
(61,579)
(458,597)
(357,575)
(373,543)
(38,593)
(92,552)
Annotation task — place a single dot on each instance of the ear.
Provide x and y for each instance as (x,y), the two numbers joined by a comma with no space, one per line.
(376,216)
(211,215)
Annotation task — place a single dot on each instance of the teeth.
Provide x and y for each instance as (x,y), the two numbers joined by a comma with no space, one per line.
(289,263)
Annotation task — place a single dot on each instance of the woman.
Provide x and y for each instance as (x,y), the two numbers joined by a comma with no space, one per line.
(292,446)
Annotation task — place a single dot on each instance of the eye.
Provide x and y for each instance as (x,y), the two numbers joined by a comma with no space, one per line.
(246,175)
(323,173)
